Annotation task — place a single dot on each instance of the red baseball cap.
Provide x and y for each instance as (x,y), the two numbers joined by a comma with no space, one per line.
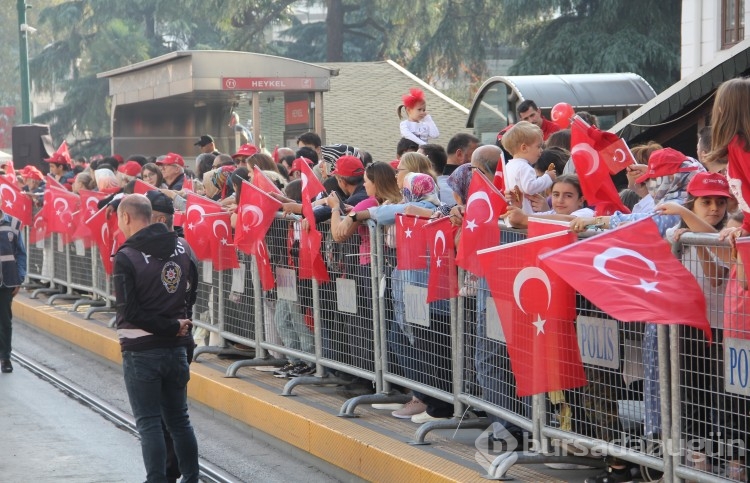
(349,166)
(246,150)
(31,172)
(131,168)
(664,162)
(709,184)
(297,163)
(171,158)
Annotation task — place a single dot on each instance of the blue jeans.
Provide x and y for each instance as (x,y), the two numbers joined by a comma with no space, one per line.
(156,381)
(292,329)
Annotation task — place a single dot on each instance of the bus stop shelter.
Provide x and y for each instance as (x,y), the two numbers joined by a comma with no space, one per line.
(164,104)
(611,97)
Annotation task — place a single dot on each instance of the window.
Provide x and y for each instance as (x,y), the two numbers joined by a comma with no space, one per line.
(732,22)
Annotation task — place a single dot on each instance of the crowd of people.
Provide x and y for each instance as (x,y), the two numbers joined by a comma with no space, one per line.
(682,194)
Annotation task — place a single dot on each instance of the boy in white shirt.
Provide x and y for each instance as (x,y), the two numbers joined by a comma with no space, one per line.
(524,142)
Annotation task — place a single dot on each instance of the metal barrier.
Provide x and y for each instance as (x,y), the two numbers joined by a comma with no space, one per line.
(655,394)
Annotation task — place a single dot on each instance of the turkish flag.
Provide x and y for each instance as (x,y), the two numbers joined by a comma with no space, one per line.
(197,232)
(480,228)
(223,253)
(179,218)
(738,175)
(38,230)
(442,282)
(62,155)
(141,187)
(59,208)
(536,310)
(102,237)
(411,244)
(262,182)
(543,226)
(10,172)
(14,202)
(255,214)
(53,183)
(631,274)
(596,183)
(267,282)
(499,179)
(311,264)
(89,202)
(187,184)
(311,187)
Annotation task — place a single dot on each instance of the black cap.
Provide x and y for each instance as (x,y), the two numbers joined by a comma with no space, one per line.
(204,140)
(160,202)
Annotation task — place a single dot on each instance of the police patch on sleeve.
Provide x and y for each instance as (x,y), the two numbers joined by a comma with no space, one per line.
(171,275)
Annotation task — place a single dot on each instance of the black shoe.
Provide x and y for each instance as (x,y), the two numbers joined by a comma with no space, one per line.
(612,475)
(285,370)
(5,366)
(302,370)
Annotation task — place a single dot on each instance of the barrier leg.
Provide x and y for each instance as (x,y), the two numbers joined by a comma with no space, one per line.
(347,409)
(453,423)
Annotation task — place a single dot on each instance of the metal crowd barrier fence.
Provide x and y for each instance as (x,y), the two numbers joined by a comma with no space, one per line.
(657,396)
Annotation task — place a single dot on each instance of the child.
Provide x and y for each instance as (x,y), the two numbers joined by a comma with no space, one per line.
(730,138)
(567,204)
(524,142)
(704,211)
(418,125)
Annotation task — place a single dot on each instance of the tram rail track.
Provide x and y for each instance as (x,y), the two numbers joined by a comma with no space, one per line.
(208,472)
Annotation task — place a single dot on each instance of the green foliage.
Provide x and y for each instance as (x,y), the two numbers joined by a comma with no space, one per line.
(593,36)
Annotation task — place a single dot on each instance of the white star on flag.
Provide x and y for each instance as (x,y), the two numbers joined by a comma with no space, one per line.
(539,324)
(471,225)
(408,233)
(9,203)
(648,286)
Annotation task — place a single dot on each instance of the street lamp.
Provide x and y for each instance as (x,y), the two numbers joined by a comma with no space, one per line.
(23,30)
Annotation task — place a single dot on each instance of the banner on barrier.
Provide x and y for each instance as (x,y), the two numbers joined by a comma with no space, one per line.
(286,284)
(494,326)
(598,341)
(417,310)
(346,295)
(737,366)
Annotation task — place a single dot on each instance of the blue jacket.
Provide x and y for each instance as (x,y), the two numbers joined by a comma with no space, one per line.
(12,252)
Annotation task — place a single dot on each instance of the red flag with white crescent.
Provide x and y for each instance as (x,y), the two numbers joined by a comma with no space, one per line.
(411,244)
(536,309)
(197,232)
(89,207)
(223,253)
(261,181)
(255,214)
(14,202)
(102,237)
(442,282)
(480,229)
(141,187)
(631,274)
(594,175)
(38,230)
(59,208)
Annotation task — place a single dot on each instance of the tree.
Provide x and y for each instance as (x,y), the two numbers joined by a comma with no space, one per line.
(637,36)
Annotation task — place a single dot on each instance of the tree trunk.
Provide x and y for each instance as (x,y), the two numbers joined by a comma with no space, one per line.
(335,31)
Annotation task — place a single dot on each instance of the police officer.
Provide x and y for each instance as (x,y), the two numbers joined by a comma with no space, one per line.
(155,278)
(12,271)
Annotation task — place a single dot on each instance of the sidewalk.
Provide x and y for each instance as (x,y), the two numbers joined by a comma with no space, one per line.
(372,447)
